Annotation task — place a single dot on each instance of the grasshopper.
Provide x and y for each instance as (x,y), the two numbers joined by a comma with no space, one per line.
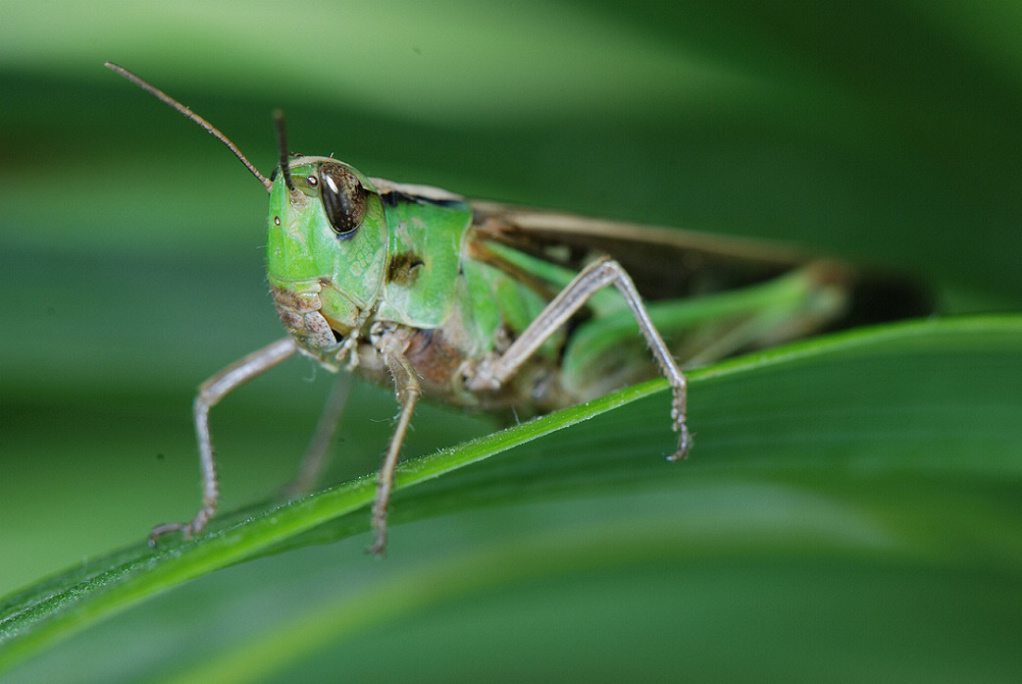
(490,306)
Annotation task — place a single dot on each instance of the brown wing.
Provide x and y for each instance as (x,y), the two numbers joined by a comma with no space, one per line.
(663,262)
(670,262)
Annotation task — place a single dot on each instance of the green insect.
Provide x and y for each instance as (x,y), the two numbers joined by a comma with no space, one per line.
(488,306)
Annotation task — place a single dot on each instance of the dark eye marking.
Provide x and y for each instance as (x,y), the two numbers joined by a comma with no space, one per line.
(344,199)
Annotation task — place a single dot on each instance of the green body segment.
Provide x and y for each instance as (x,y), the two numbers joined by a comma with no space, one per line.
(425,247)
(495,305)
(605,353)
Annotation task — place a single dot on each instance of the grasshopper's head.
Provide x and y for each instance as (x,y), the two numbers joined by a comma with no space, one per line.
(327,244)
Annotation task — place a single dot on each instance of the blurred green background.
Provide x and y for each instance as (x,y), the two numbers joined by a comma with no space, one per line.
(131,269)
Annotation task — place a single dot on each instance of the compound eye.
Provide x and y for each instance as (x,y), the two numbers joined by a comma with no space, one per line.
(344,199)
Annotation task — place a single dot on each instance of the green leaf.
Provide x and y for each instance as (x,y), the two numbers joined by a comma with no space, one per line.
(863,459)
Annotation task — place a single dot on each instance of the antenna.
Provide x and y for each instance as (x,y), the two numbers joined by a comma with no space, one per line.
(285,168)
(187,113)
